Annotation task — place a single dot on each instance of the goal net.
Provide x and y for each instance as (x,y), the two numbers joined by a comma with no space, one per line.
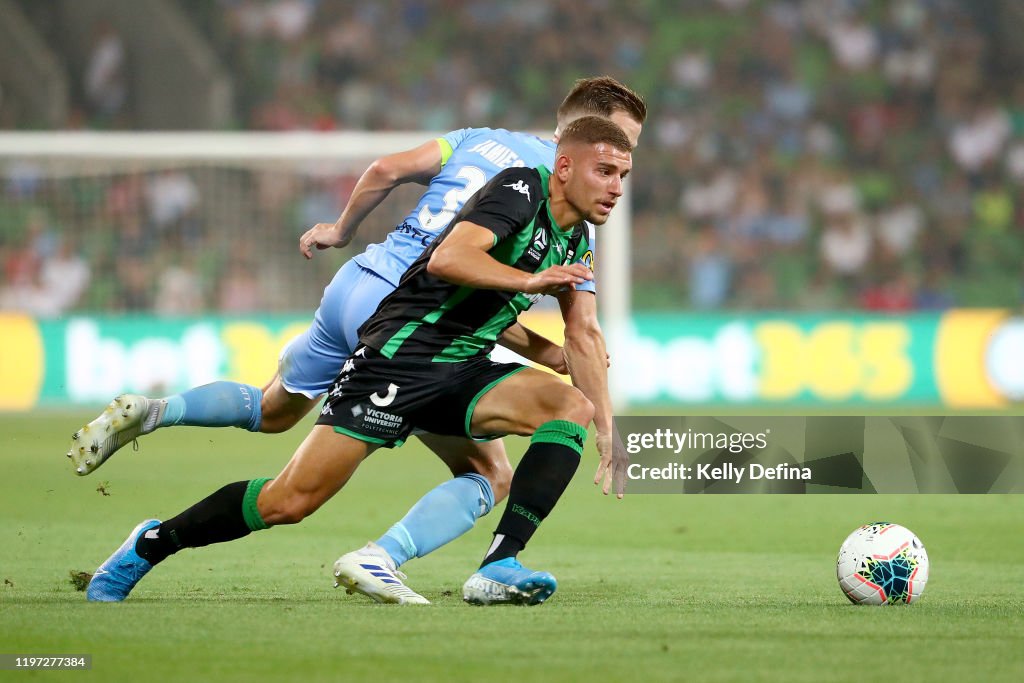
(206,206)
(210,222)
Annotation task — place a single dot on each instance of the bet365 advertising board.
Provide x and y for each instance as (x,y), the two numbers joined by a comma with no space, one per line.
(962,359)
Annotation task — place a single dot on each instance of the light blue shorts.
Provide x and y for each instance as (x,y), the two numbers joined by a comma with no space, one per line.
(309,364)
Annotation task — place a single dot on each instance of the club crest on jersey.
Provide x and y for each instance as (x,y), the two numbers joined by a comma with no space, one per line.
(540,239)
(520,187)
(540,243)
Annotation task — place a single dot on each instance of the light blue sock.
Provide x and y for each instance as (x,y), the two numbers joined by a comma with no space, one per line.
(444,514)
(218,404)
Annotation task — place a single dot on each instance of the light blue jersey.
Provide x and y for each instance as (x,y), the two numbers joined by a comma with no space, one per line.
(469,158)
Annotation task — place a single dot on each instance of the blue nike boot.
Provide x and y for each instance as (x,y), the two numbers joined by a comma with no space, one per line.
(116,577)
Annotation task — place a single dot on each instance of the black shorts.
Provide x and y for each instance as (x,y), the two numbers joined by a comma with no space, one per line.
(382,400)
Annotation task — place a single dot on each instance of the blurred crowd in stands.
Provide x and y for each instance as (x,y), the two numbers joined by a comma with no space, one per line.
(800,154)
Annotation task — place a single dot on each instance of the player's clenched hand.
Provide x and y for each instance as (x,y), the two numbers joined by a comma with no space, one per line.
(321,236)
(613,465)
(556,278)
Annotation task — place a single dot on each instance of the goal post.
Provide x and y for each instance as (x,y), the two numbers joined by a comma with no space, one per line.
(613,259)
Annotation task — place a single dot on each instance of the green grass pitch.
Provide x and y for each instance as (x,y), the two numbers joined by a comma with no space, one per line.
(651,588)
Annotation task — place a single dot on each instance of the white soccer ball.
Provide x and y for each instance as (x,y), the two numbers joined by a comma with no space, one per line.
(882,564)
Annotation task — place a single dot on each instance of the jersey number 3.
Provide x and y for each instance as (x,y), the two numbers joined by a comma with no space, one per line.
(454,199)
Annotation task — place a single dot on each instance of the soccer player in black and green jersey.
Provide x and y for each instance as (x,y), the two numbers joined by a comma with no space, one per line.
(422,363)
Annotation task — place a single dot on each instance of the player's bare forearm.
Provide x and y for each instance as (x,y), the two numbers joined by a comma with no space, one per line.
(534,347)
(385,174)
(586,357)
(462,259)
(366,197)
(467,263)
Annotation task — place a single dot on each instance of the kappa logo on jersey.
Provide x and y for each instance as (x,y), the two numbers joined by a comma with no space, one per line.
(520,187)
(327,410)
(348,367)
(381,401)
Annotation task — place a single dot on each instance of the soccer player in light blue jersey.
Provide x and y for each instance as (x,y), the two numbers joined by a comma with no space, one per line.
(453,167)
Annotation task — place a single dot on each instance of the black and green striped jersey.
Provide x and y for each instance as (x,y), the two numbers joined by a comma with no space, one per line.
(429,318)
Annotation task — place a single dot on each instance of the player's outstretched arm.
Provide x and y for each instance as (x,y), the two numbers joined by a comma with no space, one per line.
(385,174)
(462,259)
(534,347)
(586,356)
(537,348)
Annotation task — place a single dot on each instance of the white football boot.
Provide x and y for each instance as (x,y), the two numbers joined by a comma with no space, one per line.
(371,571)
(127,417)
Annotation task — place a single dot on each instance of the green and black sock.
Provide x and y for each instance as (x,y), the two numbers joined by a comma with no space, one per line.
(540,479)
(228,514)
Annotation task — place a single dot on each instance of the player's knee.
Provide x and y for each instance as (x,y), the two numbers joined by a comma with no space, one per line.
(274,424)
(576,408)
(279,415)
(269,422)
(564,403)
